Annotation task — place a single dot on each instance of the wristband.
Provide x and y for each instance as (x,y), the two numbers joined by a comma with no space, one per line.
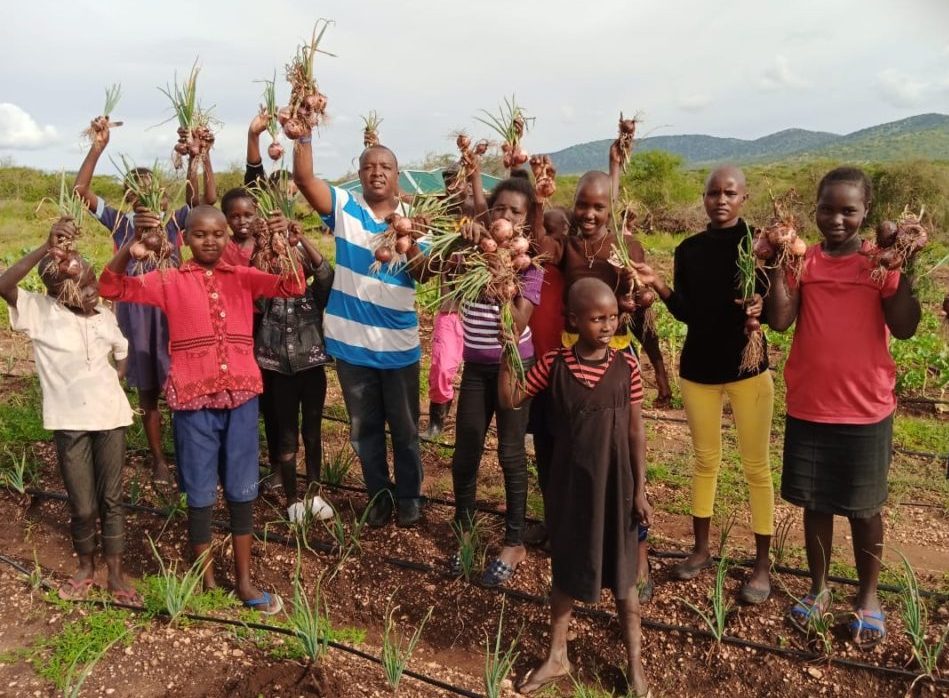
(305,139)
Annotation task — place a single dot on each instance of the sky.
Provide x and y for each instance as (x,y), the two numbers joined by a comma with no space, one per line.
(742,69)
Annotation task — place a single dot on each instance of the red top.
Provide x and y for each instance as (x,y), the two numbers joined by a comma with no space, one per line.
(587,373)
(547,320)
(210,322)
(840,370)
(236,255)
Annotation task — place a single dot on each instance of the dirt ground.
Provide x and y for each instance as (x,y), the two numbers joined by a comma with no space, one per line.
(391,566)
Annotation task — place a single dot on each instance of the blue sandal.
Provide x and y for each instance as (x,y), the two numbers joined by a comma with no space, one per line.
(872,623)
(497,573)
(803,612)
(266,604)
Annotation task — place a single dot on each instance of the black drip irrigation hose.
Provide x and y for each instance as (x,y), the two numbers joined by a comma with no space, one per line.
(594,613)
(277,630)
(655,552)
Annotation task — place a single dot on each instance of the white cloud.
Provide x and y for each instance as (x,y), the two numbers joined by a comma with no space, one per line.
(693,102)
(779,75)
(19,130)
(900,90)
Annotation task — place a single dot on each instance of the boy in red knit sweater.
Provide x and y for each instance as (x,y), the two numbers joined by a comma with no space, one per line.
(214,380)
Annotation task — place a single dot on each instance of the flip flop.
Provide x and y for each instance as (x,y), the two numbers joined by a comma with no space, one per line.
(497,573)
(454,564)
(129,597)
(266,604)
(523,689)
(647,589)
(71,590)
(867,621)
(801,613)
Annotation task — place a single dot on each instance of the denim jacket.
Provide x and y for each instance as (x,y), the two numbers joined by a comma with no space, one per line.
(289,334)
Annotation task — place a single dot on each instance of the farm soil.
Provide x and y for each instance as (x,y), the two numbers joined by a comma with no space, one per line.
(197,659)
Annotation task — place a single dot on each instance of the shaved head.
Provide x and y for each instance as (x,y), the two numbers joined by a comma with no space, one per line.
(725,172)
(204,211)
(594,179)
(588,292)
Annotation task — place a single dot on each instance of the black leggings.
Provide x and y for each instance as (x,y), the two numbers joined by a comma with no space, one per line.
(477,403)
(284,399)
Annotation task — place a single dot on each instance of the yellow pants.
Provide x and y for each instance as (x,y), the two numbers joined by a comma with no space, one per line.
(618,343)
(752,403)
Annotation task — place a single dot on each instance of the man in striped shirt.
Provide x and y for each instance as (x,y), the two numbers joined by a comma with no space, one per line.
(371,328)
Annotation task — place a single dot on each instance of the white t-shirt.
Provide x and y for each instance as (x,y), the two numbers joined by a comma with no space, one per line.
(81,390)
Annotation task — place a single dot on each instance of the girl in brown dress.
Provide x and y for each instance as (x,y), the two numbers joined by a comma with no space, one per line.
(596,489)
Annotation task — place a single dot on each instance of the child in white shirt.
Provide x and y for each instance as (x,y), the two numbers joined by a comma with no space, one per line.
(83,404)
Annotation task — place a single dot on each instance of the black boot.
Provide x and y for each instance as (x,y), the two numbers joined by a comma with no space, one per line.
(436,419)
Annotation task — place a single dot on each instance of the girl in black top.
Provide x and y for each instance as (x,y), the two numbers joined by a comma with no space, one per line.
(706,299)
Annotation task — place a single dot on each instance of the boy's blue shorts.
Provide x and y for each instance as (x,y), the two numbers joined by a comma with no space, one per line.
(217,445)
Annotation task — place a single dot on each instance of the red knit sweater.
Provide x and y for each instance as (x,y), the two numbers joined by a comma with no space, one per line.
(210,321)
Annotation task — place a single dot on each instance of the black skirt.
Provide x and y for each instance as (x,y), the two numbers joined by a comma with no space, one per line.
(837,468)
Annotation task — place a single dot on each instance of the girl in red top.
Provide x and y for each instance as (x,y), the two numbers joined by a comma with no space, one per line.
(840,394)
(214,380)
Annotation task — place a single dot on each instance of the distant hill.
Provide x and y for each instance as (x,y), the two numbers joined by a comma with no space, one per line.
(924,136)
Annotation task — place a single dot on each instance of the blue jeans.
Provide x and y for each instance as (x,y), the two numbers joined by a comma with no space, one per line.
(374,398)
(213,445)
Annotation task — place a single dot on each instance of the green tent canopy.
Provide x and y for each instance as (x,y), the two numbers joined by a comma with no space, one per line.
(422,182)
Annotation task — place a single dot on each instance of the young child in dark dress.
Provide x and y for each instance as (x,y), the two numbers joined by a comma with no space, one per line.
(596,488)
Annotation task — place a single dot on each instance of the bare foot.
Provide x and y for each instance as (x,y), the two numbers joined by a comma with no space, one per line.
(161,474)
(513,555)
(692,565)
(548,672)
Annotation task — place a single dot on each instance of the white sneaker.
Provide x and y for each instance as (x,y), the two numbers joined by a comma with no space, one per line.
(296,513)
(320,508)
(315,507)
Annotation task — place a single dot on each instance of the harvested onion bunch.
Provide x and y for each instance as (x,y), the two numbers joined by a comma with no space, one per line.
(194,125)
(307,106)
(468,161)
(753,353)
(778,245)
(639,296)
(269,109)
(272,251)
(489,271)
(152,250)
(370,130)
(624,142)
(103,122)
(67,263)
(545,176)
(511,124)
(429,216)
(896,244)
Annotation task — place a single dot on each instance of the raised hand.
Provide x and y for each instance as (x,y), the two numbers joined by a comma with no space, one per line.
(259,123)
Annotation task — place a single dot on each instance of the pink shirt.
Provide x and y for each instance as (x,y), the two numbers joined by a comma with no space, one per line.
(840,370)
(210,323)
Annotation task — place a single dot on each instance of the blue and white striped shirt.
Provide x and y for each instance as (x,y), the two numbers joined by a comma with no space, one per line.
(370,317)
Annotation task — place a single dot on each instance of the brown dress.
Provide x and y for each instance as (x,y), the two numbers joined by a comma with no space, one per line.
(589,494)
